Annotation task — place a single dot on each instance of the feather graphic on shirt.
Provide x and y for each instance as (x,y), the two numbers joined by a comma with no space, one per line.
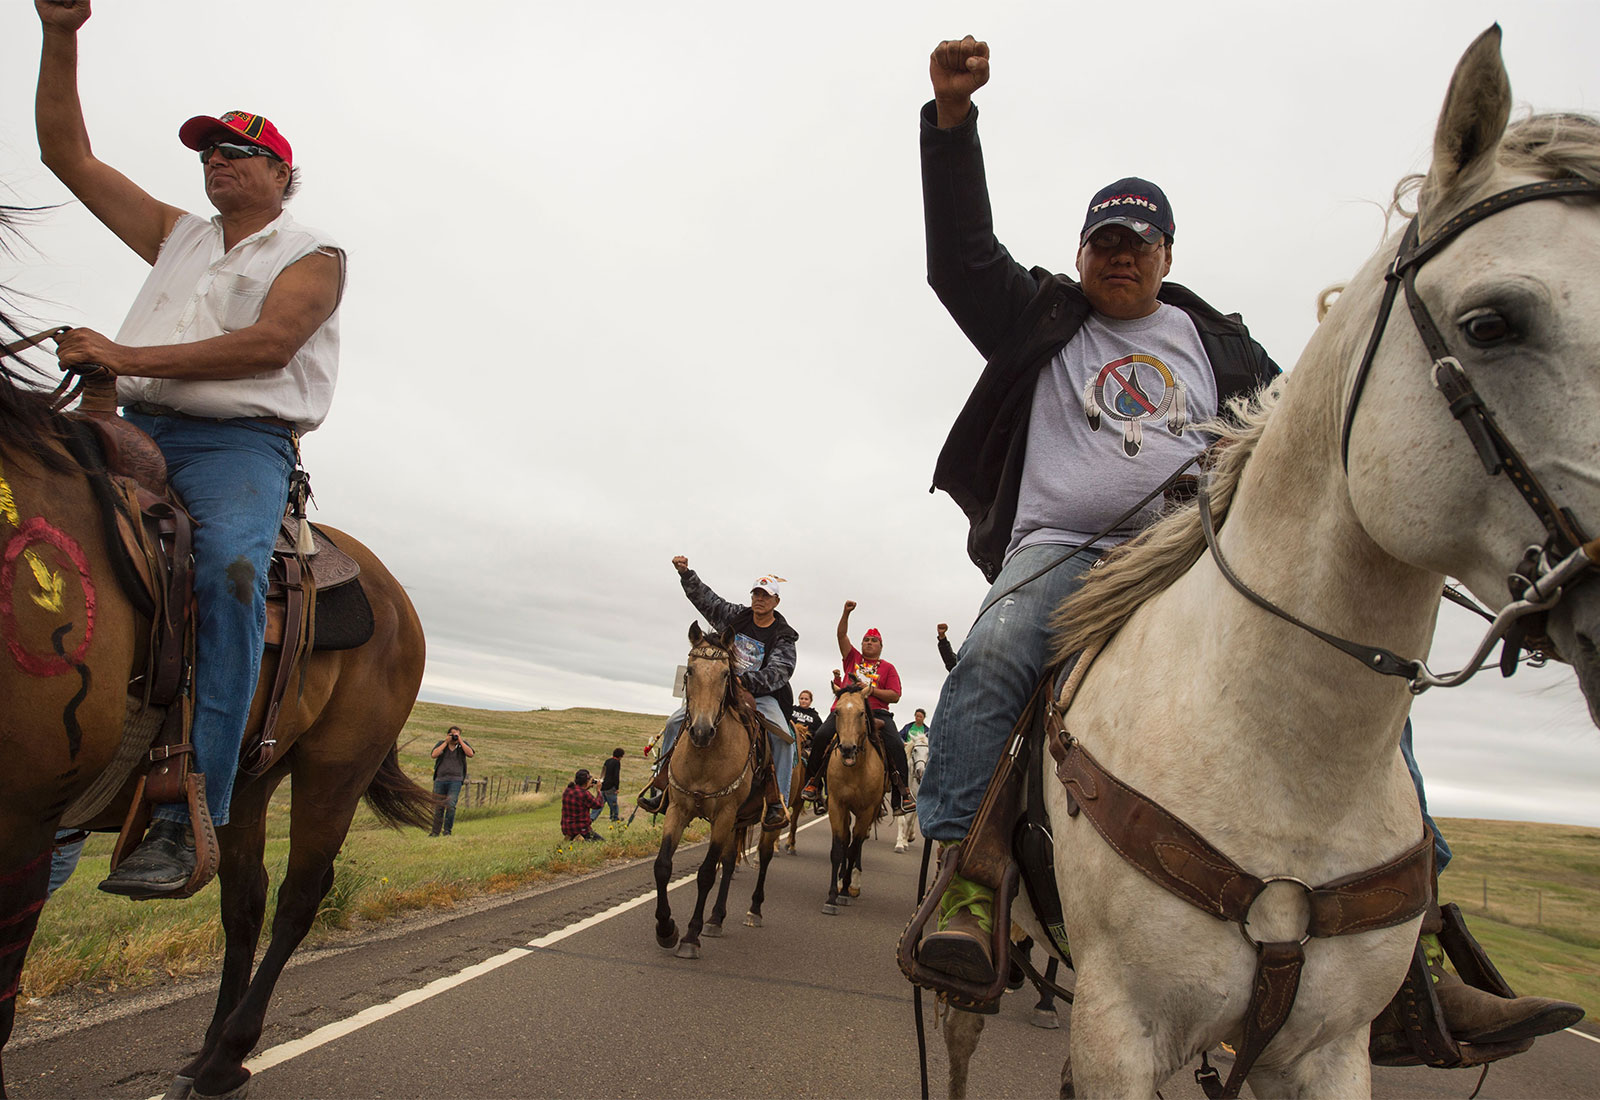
(1091,406)
(1179,417)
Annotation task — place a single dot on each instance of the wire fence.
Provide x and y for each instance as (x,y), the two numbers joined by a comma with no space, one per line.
(1566,914)
(497,788)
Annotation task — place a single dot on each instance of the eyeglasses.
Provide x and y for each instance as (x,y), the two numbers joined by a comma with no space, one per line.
(234,151)
(1115,240)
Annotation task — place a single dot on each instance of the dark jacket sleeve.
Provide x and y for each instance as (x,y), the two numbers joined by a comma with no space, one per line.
(946,654)
(984,289)
(718,611)
(779,666)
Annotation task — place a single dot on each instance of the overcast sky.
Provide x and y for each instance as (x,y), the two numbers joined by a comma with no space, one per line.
(629,280)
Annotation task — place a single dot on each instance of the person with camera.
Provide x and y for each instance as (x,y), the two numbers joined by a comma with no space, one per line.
(579,803)
(449,772)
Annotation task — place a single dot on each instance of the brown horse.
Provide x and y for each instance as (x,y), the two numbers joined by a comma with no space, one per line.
(855,794)
(70,640)
(712,774)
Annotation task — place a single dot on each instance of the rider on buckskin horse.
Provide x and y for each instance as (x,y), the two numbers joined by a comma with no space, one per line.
(865,666)
(764,659)
(228,355)
(1084,395)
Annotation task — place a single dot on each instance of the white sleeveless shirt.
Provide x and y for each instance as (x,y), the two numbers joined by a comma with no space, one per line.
(197,291)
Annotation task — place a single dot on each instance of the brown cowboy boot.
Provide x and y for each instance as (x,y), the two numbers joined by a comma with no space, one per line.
(1474,1016)
(961,945)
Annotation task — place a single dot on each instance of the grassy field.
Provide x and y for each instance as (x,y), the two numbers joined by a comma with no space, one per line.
(1541,926)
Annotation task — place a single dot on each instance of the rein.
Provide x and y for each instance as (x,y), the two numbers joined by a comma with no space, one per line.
(1540,580)
(71,386)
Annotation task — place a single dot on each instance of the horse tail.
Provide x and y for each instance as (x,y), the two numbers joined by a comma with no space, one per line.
(396,798)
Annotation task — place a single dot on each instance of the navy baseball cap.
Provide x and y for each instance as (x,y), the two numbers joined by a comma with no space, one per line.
(1138,204)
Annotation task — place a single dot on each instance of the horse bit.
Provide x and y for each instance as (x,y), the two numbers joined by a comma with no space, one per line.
(1546,570)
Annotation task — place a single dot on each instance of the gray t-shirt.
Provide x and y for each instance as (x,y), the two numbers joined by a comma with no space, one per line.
(1113,417)
(450,764)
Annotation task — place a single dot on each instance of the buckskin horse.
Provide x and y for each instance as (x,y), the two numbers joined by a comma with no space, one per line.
(1346,504)
(72,639)
(712,773)
(855,794)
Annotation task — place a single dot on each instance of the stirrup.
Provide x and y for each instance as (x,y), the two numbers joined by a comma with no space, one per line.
(964,995)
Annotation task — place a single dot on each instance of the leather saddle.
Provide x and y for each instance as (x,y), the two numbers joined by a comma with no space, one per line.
(149,536)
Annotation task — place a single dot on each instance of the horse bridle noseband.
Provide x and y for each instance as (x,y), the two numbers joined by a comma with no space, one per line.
(1545,571)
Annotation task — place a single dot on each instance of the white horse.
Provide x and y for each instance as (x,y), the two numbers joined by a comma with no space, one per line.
(917,762)
(1279,750)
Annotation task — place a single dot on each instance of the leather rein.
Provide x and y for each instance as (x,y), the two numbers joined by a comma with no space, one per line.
(1547,570)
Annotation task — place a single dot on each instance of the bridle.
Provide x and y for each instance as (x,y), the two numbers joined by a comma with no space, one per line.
(722,656)
(1545,571)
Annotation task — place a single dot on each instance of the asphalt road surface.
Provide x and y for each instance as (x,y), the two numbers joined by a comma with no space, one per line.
(563,993)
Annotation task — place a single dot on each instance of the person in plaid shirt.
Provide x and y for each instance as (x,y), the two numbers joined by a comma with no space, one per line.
(578,803)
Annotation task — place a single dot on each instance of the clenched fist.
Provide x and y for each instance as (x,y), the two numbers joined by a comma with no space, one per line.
(957,69)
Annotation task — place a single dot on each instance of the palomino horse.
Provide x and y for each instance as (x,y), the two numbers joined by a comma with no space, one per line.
(855,794)
(71,638)
(917,762)
(712,774)
(1303,779)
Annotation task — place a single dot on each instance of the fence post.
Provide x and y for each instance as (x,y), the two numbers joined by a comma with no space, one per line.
(536,781)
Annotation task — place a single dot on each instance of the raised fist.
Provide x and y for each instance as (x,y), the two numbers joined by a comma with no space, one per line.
(680,563)
(957,69)
(849,606)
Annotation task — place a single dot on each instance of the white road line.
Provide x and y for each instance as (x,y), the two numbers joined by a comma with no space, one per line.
(283,1052)
(1583,1035)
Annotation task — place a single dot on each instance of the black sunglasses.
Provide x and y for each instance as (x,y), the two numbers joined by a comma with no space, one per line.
(234,151)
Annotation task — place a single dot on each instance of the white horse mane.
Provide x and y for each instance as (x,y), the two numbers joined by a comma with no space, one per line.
(1548,146)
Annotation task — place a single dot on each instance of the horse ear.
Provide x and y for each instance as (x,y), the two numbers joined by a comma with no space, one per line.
(695,633)
(1476,109)
(725,639)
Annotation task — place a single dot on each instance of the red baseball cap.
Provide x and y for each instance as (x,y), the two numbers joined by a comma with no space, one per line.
(203,130)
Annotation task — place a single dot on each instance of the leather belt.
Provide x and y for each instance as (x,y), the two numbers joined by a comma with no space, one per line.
(144,408)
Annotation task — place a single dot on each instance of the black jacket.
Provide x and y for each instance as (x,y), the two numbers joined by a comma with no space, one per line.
(1018,319)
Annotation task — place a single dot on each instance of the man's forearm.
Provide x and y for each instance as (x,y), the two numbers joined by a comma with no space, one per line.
(57,111)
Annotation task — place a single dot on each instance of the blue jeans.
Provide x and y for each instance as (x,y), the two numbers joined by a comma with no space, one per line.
(996,671)
(234,479)
(782,751)
(1441,850)
(64,860)
(610,795)
(449,790)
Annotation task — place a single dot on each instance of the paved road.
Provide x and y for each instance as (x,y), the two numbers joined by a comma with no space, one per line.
(807,1006)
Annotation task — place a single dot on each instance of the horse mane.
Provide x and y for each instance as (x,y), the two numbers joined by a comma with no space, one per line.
(1556,145)
(27,424)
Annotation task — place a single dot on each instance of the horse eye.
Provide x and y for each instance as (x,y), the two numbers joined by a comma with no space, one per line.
(1485,327)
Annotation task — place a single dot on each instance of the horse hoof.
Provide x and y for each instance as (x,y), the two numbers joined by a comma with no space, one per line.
(1045,1018)
(712,930)
(899,847)
(829,909)
(182,1088)
(687,950)
(669,941)
(752,920)
(855,891)
(842,899)
(239,1092)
